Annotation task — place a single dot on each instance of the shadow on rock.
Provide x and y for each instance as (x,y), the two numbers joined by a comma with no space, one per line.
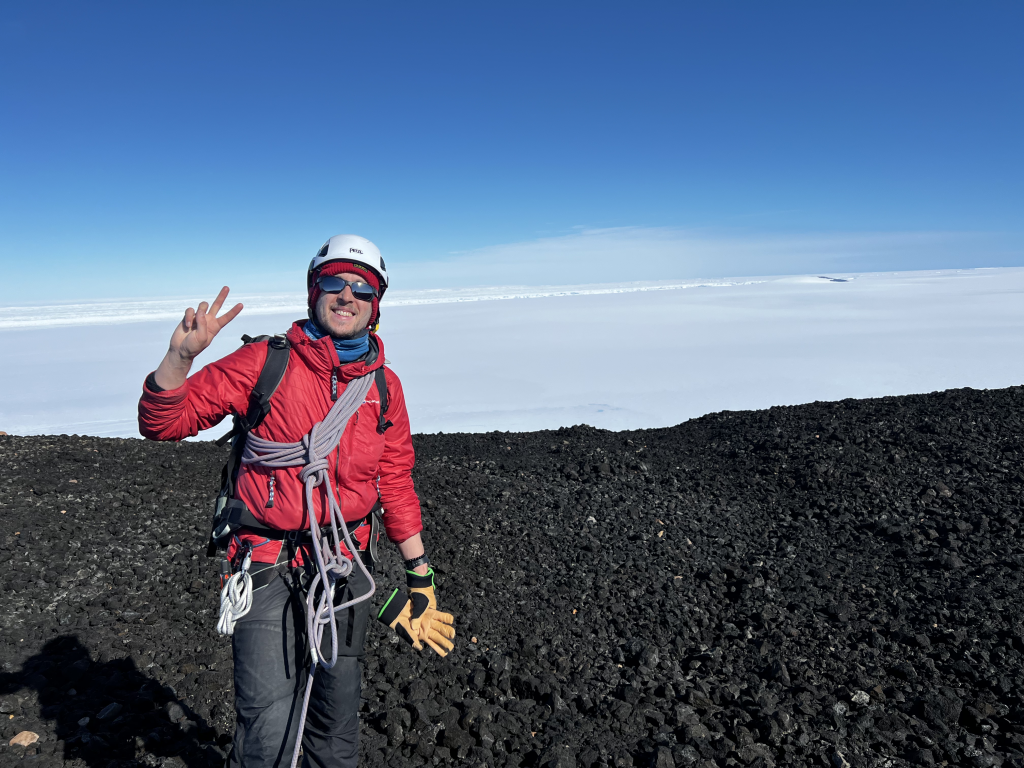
(109,711)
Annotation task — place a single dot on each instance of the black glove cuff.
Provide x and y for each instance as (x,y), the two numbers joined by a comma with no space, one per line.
(414,581)
(392,607)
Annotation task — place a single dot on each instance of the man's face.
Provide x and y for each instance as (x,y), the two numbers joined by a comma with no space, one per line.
(342,315)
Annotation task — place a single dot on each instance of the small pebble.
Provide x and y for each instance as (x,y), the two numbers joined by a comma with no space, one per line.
(24,739)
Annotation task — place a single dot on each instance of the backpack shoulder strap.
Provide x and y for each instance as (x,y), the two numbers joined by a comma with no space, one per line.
(382,389)
(278,352)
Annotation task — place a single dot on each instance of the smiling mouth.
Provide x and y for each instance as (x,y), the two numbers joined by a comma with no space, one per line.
(342,313)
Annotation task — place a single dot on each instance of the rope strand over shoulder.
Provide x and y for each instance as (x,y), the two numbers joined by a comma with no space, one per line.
(311,453)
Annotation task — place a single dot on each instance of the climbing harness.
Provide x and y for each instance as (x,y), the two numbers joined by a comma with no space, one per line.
(331,566)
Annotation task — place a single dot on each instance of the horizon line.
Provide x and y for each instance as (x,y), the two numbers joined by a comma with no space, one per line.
(140,310)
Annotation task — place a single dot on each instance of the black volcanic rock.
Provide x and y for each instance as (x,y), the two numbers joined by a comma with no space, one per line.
(828,584)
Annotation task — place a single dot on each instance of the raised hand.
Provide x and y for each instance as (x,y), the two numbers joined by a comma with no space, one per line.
(192,335)
(199,326)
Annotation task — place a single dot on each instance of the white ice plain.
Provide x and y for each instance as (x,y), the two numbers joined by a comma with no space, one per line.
(616,357)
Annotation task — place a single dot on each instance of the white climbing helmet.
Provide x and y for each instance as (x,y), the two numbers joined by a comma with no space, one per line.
(352,248)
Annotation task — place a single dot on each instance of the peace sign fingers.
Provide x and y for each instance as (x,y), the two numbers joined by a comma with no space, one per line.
(201,325)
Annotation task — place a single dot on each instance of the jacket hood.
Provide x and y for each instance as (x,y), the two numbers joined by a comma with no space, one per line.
(321,356)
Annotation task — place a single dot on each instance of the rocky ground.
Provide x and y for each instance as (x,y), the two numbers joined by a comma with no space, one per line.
(830,584)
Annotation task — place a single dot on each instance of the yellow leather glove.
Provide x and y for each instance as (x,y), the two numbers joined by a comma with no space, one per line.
(422,585)
(415,617)
(397,614)
(435,629)
(429,625)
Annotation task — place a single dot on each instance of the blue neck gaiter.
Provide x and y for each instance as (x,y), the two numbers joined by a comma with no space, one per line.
(348,349)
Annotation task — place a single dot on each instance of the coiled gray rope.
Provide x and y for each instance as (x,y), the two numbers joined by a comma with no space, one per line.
(332,566)
(236,597)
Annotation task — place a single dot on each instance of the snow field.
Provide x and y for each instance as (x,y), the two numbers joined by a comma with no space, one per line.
(617,358)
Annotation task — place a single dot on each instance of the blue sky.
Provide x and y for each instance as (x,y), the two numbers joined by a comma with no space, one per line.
(154,149)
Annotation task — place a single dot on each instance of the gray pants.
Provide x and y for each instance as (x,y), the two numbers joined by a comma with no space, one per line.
(271,671)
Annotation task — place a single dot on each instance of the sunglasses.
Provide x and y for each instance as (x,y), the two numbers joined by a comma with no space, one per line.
(360,290)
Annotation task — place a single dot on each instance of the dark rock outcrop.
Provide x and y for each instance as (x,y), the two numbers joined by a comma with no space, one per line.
(828,584)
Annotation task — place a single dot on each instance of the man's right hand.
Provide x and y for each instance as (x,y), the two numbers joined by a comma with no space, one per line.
(192,335)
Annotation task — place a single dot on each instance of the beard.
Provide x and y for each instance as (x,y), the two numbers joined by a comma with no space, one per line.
(325,317)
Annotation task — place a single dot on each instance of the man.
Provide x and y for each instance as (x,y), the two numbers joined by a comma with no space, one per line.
(370,464)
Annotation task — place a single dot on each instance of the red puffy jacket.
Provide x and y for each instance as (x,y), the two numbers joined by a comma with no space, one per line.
(364,463)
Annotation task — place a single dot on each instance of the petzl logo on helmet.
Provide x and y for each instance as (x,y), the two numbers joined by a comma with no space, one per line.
(355,250)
